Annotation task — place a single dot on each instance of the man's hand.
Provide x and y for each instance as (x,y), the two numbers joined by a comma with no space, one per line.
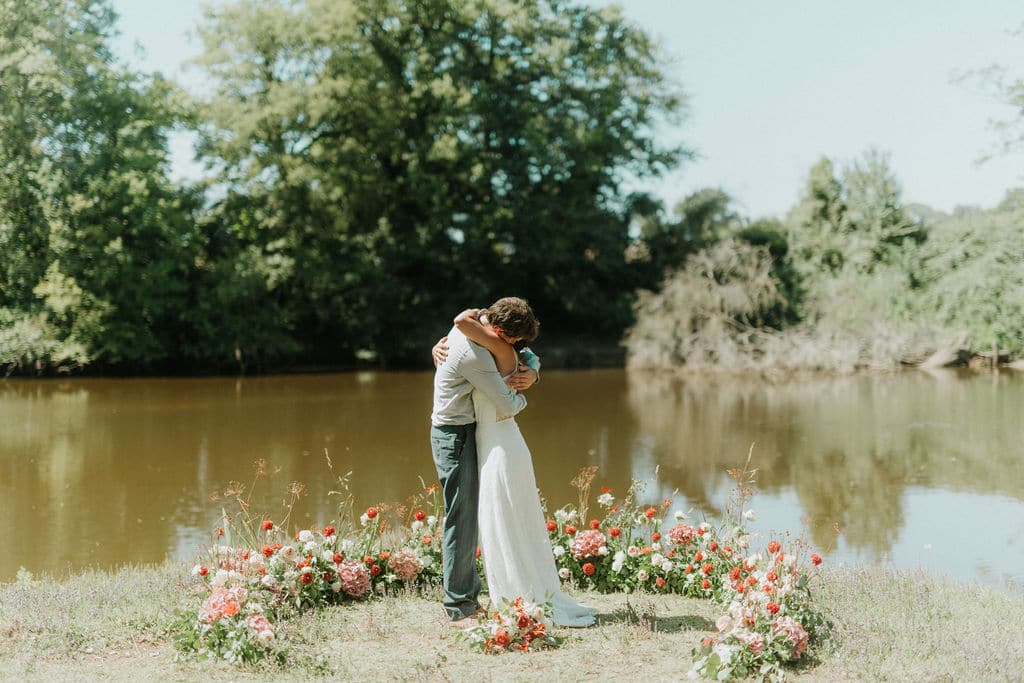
(522,379)
(440,351)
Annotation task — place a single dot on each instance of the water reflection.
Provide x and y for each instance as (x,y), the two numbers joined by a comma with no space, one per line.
(102,472)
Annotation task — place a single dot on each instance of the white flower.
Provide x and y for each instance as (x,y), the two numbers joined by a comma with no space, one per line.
(561,516)
(704,525)
(680,515)
(558,551)
(364,519)
(305,535)
(286,551)
(417,525)
(723,623)
(347,545)
(633,551)
(220,578)
(620,556)
(307,570)
(606,500)
(336,586)
(235,576)
(196,569)
(603,550)
(266,636)
(724,652)
(311,546)
(268,581)
(749,516)
(563,573)
(431,520)
(657,558)
(667,566)
(643,575)
(655,547)
(538,613)
(617,565)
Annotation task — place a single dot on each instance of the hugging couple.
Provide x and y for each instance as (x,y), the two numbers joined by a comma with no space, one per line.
(485,467)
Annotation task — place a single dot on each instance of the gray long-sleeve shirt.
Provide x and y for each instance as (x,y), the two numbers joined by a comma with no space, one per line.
(470,367)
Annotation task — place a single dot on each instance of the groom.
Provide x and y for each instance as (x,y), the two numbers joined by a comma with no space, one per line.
(462,368)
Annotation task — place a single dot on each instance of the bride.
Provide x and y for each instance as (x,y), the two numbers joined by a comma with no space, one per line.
(516,551)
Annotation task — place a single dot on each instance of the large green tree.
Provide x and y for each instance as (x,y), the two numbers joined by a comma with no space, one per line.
(97,243)
(391,161)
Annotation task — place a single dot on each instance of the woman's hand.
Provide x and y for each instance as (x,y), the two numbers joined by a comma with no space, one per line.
(522,379)
(440,351)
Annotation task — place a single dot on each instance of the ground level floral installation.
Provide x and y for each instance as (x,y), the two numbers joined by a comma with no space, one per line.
(257,574)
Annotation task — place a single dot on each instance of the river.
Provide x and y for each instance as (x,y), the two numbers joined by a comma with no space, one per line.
(911,469)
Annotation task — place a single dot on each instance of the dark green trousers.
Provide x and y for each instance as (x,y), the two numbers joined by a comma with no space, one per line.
(454,449)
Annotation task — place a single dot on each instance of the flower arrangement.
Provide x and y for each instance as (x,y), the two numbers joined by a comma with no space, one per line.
(769,619)
(514,626)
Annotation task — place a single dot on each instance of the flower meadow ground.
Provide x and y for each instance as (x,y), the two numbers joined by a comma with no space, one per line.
(887,626)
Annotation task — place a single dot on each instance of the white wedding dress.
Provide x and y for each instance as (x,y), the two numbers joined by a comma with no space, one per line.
(513,539)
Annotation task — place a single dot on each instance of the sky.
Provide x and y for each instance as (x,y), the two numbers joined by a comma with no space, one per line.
(773,85)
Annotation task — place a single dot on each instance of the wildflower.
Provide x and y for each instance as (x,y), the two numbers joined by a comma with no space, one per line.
(305,535)
(749,516)
(364,519)
(752,639)
(815,559)
(655,536)
(713,546)
(306,579)
(431,520)
(417,525)
(642,575)
(680,515)
(681,534)
(633,551)
(501,638)
(371,512)
(614,531)
(328,531)
(667,566)
(563,573)
(606,500)
(772,607)
(375,570)
(792,631)
(267,525)
(650,512)
(773,547)
(705,584)
(603,551)
(595,525)
(405,565)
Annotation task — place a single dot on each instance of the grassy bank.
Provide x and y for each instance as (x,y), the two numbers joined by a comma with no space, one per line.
(888,626)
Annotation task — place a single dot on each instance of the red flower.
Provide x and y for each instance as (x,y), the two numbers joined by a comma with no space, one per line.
(338,558)
(705,584)
(384,556)
(594,524)
(689,569)
(306,579)
(815,559)
(767,588)
(432,488)
(203,571)
(327,576)
(734,573)
(700,531)
(706,569)
(551,526)
(589,569)
(655,537)
(614,531)
(267,551)
(427,539)
(371,513)
(727,550)
(649,514)
(523,621)
(772,576)
(478,552)
(570,529)
(501,638)
(660,582)
(328,530)
(751,581)
(773,547)
(375,570)
(772,607)
(420,515)
(267,525)
(367,560)
(605,489)
(698,557)
(713,546)
(708,641)
(780,557)
(220,531)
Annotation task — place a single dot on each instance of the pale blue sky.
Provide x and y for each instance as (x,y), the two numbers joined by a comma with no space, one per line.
(775,84)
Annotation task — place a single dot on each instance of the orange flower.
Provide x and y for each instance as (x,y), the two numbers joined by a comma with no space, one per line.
(367,560)
(570,529)
(594,524)
(427,539)
(478,552)
(605,489)
(772,607)
(267,525)
(815,559)
(699,557)
(375,570)
(773,547)
(328,530)
(706,569)
(705,584)
(384,556)
(501,638)
(338,557)
(734,573)
(713,546)
(660,582)
(551,526)
(772,576)
(650,512)
(203,571)
(614,531)
(432,488)
(267,551)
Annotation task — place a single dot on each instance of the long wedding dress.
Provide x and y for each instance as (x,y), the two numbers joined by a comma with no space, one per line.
(513,540)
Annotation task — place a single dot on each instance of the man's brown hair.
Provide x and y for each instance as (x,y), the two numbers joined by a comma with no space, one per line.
(515,318)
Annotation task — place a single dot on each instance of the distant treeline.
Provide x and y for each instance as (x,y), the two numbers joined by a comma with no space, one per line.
(374,166)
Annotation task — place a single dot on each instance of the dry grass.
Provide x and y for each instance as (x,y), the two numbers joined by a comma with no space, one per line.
(888,627)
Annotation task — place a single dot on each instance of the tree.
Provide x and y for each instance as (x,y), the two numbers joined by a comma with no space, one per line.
(397,161)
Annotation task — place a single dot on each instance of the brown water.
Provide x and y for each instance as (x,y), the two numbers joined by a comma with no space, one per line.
(916,469)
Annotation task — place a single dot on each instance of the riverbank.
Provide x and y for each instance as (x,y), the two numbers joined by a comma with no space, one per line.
(888,625)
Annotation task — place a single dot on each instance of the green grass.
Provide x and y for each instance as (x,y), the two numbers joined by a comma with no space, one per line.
(888,626)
